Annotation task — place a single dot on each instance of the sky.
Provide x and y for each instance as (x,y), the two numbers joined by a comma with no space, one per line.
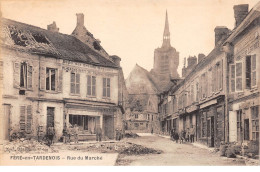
(132,29)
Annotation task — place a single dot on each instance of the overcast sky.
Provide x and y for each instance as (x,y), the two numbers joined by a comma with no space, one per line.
(132,29)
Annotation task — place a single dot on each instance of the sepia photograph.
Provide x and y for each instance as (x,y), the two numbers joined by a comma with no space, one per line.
(129,82)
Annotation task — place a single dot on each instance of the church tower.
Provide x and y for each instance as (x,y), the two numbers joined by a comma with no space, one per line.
(166,58)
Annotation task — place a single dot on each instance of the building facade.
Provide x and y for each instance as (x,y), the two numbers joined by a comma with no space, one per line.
(242,51)
(219,96)
(53,79)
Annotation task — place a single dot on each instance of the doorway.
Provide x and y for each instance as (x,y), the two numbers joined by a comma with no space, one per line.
(6,122)
(109,127)
(246,131)
(212,132)
(50,117)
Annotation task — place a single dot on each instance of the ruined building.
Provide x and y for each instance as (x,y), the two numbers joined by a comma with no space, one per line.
(54,79)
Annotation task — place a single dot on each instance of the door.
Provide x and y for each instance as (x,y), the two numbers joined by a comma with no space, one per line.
(50,117)
(109,127)
(212,132)
(246,131)
(6,122)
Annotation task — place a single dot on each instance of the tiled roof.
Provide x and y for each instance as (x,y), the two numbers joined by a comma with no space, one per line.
(41,41)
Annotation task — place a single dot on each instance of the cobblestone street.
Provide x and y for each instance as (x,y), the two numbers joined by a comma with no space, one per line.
(176,154)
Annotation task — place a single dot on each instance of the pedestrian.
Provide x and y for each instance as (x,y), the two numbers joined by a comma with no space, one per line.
(117,134)
(50,134)
(64,133)
(182,134)
(69,133)
(98,134)
(76,133)
(152,130)
(187,136)
(172,133)
(175,135)
(192,134)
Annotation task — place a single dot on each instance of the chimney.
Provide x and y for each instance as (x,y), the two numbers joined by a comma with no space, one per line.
(240,12)
(200,57)
(52,27)
(192,61)
(221,33)
(80,19)
(115,59)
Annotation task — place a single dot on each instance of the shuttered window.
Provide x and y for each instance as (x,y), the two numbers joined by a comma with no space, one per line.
(22,117)
(91,85)
(232,78)
(106,87)
(253,71)
(239,76)
(23,75)
(26,118)
(75,83)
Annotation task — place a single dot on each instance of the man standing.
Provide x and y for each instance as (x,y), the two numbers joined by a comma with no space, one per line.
(76,133)
(50,134)
(98,134)
(192,133)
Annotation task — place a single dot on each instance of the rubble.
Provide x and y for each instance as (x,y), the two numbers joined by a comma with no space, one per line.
(131,135)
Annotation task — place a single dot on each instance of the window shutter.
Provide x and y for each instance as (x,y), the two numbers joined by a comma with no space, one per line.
(42,77)
(16,75)
(253,70)
(22,118)
(60,80)
(88,85)
(104,87)
(29,80)
(220,75)
(238,76)
(93,86)
(108,87)
(77,83)
(29,119)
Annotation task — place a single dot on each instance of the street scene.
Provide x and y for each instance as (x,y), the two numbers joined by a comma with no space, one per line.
(88,87)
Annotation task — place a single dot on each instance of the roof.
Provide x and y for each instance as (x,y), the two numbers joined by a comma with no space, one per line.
(32,39)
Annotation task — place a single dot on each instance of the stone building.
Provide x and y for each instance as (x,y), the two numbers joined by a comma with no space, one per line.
(49,78)
(144,86)
(243,63)
(142,114)
(220,95)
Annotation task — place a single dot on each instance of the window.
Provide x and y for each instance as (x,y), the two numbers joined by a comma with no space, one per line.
(239,76)
(106,87)
(24,72)
(255,122)
(250,71)
(232,78)
(197,90)
(51,79)
(219,75)
(91,85)
(148,117)
(136,116)
(152,117)
(75,83)
(210,82)
(26,118)
(80,120)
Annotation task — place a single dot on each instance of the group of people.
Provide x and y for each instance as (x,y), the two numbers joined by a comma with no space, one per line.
(70,131)
(185,135)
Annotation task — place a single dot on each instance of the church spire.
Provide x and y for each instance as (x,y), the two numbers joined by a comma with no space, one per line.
(166,33)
